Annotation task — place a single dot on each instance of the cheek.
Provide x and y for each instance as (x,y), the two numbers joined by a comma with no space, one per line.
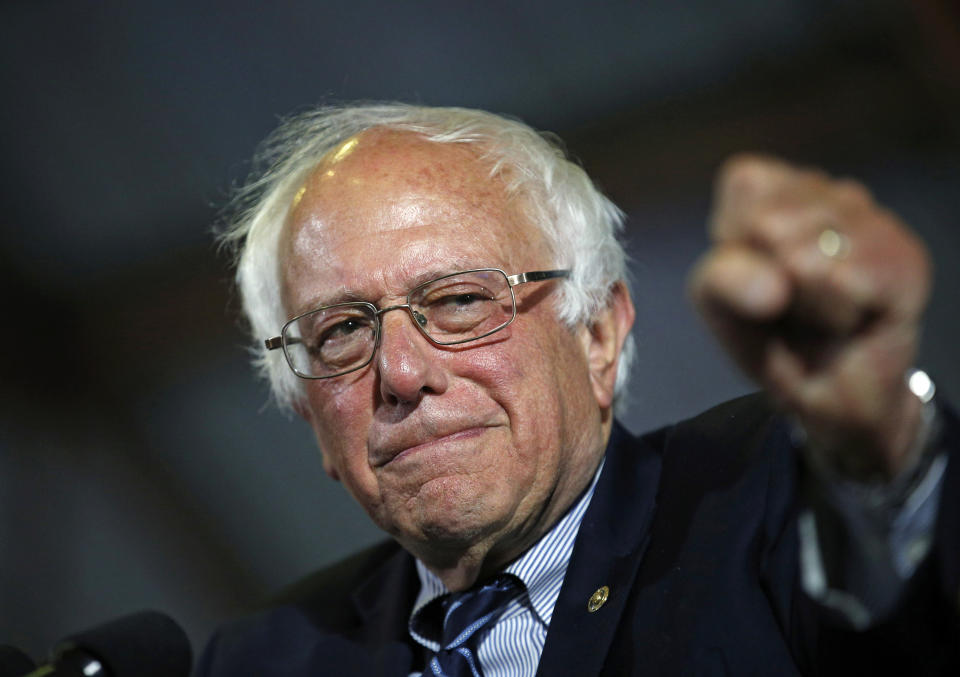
(339,415)
(496,370)
(556,389)
(530,377)
(338,405)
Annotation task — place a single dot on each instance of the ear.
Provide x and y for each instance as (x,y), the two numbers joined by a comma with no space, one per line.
(303,411)
(603,340)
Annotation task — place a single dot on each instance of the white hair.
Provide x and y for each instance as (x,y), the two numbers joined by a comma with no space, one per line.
(579,223)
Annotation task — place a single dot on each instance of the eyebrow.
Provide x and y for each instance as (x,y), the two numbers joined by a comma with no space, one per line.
(346,295)
(342,295)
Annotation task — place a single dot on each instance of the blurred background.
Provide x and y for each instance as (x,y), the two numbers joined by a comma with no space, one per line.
(140,465)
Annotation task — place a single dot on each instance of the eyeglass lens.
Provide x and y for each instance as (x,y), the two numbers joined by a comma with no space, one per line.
(453,309)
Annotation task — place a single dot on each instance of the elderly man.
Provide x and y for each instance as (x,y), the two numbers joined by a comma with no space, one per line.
(440,294)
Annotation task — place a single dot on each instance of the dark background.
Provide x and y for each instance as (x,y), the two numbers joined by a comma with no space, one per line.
(139,463)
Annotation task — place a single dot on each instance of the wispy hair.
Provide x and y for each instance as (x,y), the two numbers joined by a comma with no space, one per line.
(580,225)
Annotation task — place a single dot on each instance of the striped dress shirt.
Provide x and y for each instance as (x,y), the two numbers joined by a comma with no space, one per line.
(513,645)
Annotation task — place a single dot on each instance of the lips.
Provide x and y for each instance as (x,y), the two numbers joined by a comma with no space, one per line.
(402,442)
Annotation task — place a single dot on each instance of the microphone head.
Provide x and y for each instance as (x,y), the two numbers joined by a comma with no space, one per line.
(144,644)
(14,663)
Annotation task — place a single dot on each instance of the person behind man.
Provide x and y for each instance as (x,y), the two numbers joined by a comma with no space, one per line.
(441,295)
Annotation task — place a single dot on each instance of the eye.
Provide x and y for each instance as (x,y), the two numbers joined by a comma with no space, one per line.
(462,299)
(333,330)
(454,297)
(341,329)
(461,306)
(343,342)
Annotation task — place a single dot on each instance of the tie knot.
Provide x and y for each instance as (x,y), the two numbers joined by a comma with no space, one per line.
(466,613)
(460,619)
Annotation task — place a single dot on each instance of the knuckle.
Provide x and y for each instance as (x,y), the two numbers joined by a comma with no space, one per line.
(775,225)
(809,179)
(744,172)
(852,191)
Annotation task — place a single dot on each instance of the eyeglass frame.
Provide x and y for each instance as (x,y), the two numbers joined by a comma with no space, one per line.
(280,342)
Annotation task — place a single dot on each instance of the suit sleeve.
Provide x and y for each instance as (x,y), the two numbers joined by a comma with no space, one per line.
(919,634)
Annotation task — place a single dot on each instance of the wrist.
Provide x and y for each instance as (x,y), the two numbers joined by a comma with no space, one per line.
(883,480)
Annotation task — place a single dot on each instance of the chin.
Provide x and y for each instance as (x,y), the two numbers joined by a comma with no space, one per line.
(448,527)
(451,537)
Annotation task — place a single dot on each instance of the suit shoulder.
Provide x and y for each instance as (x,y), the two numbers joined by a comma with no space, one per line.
(733,425)
(737,417)
(338,579)
(320,610)
(719,445)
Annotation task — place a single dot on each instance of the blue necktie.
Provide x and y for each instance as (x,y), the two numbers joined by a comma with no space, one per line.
(467,616)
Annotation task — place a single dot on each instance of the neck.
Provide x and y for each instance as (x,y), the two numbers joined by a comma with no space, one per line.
(460,566)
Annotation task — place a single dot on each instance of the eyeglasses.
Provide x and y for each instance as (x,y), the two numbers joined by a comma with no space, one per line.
(457,308)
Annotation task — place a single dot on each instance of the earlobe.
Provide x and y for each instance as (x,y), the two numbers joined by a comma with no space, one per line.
(304,412)
(329,469)
(603,342)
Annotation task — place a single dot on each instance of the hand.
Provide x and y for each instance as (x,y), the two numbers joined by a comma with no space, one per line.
(817,293)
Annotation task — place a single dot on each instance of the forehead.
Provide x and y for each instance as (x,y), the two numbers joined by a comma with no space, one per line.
(387,209)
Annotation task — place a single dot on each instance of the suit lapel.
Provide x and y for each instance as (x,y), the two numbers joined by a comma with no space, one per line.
(610,544)
(609,547)
(383,602)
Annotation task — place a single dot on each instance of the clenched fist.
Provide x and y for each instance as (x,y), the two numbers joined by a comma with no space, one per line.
(818,293)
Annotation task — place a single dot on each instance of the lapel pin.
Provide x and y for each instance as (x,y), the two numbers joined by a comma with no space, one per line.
(598,598)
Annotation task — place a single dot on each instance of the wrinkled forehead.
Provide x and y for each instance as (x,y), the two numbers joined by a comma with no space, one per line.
(392,160)
(405,195)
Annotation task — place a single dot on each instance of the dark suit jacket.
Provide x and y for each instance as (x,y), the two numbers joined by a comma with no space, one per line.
(693,529)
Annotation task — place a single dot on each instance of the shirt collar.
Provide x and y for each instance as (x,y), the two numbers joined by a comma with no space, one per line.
(541,568)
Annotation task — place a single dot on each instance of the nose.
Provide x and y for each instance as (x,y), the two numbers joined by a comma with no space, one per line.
(407,362)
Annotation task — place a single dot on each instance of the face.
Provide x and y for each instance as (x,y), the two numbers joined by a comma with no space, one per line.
(477,447)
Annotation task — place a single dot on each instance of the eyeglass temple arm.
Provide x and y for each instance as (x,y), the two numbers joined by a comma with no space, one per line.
(536,276)
(276,342)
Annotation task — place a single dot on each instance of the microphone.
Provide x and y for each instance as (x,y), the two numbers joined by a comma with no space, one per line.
(14,663)
(144,644)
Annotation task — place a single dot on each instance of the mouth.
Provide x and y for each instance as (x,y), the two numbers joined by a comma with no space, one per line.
(407,446)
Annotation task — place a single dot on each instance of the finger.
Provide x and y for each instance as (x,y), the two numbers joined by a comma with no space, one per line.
(773,204)
(871,268)
(740,294)
(836,296)
(882,269)
(892,264)
(793,212)
(747,183)
(739,280)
